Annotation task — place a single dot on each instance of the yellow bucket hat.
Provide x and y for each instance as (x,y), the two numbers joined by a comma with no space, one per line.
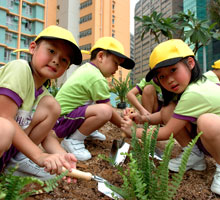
(56,32)
(116,48)
(216,64)
(166,54)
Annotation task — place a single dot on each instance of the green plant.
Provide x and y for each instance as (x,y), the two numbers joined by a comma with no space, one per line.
(144,179)
(11,187)
(121,88)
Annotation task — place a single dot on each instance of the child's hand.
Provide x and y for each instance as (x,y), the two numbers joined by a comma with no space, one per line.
(53,163)
(126,126)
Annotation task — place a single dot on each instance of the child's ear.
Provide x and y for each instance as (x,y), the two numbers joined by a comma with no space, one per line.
(32,47)
(100,55)
(191,62)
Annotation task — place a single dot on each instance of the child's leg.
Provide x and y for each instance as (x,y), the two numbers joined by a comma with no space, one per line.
(95,117)
(209,124)
(45,116)
(7,132)
(149,99)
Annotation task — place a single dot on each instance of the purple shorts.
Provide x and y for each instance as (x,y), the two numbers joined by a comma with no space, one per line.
(193,134)
(7,156)
(68,124)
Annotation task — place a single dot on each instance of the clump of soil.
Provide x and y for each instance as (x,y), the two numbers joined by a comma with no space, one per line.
(195,184)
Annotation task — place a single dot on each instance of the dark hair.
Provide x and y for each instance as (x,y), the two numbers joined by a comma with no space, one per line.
(95,52)
(196,74)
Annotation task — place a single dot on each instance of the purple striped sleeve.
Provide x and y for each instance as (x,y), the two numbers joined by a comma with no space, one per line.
(187,118)
(103,101)
(12,95)
(139,89)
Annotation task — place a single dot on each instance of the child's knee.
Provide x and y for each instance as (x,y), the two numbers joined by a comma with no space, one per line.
(50,103)
(7,132)
(105,111)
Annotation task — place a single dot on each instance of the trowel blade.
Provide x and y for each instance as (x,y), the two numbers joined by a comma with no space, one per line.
(107,191)
(119,159)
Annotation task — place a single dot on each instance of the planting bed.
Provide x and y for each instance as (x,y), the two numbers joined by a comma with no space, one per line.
(195,185)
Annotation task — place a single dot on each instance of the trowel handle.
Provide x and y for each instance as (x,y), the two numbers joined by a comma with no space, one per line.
(75,173)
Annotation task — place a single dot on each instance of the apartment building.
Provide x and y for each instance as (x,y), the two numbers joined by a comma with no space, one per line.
(20,22)
(99,18)
(143,48)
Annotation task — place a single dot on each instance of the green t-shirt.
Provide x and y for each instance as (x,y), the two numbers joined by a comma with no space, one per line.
(85,86)
(199,98)
(212,76)
(16,82)
(140,86)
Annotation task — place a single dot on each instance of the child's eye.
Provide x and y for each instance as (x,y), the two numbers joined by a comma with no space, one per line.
(51,51)
(161,77)
(173,70)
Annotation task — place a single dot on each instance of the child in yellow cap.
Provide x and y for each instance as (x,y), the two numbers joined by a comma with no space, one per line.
(198,109)
(85,97)
(30,110)
(214,74)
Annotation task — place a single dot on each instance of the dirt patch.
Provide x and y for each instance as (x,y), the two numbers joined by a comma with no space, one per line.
(195,185)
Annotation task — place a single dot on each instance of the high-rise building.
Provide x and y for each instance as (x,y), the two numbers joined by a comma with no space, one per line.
(20,22)
(144,47)
(100,18)
(209,54)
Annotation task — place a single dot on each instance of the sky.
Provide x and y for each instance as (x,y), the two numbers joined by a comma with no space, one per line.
(132,7)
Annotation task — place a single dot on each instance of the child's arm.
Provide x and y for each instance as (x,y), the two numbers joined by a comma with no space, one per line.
(132,97)
(174,126)
(116,118)
(52,162)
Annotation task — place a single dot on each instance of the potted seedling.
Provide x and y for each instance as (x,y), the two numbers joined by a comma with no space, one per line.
(121,88)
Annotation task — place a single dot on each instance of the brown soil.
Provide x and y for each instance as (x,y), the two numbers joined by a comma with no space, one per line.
(195,185)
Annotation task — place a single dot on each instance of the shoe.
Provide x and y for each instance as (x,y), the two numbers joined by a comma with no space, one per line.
(76,147)
(194,162)
(215,187)
(96,135)
(26,167)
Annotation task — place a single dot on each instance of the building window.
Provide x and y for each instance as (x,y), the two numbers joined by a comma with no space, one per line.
(27,41)
(10,4)
(85,33)
(7,55)
(86,47)
(113,19)
(28,25)
(28,10)
(9,19)
(85,4)
(8,37)
(85,18)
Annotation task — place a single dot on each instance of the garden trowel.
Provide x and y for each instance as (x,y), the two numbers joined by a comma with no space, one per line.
(101,182)
(119,147)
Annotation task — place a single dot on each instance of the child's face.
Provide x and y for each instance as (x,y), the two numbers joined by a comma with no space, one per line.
(174,78)
(109,63)
(51,58)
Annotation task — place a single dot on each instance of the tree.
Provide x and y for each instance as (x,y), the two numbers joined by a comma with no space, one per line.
(157,25)
(190,29)
(214,11)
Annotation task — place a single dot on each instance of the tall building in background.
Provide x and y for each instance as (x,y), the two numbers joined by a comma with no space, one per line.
(68,17)
(144,47)
(20,22)
(209,54)
(99,18)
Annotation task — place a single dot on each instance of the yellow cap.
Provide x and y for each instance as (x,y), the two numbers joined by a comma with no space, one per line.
(216,64)
(166,54)
(56,32)
(116,48)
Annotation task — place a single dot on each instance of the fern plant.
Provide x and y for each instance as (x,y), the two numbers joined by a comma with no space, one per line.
(11,186)
(143,179)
